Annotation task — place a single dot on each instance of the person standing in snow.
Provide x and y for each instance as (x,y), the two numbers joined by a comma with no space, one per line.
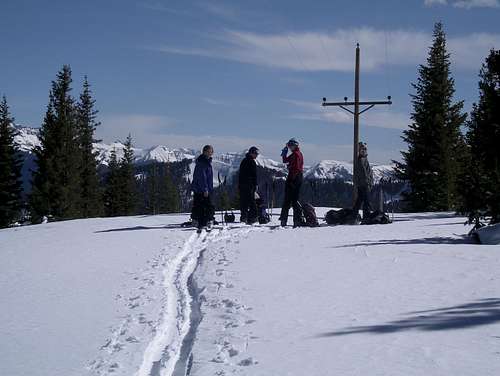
(202,186)
(363,178)
(247,184)
(295,164)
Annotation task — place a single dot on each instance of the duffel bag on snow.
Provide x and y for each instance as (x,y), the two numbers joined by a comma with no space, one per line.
(342,217)
(376,218)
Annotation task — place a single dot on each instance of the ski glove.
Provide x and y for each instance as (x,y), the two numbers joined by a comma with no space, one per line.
(284,152)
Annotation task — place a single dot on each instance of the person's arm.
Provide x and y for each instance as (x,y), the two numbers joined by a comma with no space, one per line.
(284,152)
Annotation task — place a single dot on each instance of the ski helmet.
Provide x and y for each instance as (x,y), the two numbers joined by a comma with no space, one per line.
(293,142)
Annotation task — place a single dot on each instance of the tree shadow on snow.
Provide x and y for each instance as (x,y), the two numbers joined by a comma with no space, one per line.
(134,228)
(462,239)
(481,312)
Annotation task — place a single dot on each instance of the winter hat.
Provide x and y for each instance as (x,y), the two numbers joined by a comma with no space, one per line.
(292,142)
(253,149)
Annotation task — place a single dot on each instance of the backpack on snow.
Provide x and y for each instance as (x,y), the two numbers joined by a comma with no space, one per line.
(342,217)
(309,215)
(376,218)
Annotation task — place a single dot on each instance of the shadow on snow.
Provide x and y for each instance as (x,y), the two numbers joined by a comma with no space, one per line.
(462,239)
(481,312)
(134,228)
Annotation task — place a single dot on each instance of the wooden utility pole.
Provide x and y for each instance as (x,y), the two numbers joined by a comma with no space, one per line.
(344,105)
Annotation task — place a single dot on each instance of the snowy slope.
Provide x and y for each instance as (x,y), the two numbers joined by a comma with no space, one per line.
(411,298)
(121,296)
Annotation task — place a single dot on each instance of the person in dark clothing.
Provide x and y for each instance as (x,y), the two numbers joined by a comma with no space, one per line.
(295,164)
(202,186)
(247,184)
(363,178)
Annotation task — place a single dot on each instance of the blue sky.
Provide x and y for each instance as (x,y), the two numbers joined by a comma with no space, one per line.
(237,73)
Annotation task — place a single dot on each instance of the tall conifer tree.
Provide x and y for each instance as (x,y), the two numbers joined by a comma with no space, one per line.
(435,144)
(10,169)
(480,180)
(56,182)
(128,191)
(91,199)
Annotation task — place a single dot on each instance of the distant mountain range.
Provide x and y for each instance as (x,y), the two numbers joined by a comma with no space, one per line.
(225,165)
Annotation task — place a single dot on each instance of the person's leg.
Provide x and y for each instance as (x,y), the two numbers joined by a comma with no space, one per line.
(197,210)
(244,196)
(252,208)
(367,208)
(359,200)
(297,208)
(287,202)
(209,209)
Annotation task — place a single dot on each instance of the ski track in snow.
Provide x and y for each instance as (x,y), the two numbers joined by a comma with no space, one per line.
(164,350)
(153,345)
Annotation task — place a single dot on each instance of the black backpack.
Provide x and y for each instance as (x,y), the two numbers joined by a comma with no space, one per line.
(342,217)
(376,218)
(309,214)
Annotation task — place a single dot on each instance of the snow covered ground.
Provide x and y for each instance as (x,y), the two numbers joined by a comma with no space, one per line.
(124,296)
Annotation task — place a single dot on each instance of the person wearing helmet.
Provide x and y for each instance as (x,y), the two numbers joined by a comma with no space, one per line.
(247,184)
(295,165)
(363,178)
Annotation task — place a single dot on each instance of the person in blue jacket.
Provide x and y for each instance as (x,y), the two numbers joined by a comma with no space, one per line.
(202,186)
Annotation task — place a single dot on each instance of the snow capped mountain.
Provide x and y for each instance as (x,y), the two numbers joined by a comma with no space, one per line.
(26,138)
(225,165)
(163,154)
(331,169)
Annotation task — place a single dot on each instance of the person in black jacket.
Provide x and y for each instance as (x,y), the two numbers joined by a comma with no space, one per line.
(247,184)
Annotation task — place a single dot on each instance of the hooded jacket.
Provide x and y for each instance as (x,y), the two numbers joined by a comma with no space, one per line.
(203,177)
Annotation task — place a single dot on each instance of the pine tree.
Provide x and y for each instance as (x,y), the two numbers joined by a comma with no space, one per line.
(480,183)
(56,182)
(10,169)
(128,192)
(91,199)
(112,194)
(435,144)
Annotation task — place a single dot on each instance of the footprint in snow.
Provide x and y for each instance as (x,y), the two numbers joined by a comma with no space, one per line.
(247,362)
(132,339)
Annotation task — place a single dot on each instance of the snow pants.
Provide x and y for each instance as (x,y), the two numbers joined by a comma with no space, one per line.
(248,207)
(203,209)
(363,200)
(292,193)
